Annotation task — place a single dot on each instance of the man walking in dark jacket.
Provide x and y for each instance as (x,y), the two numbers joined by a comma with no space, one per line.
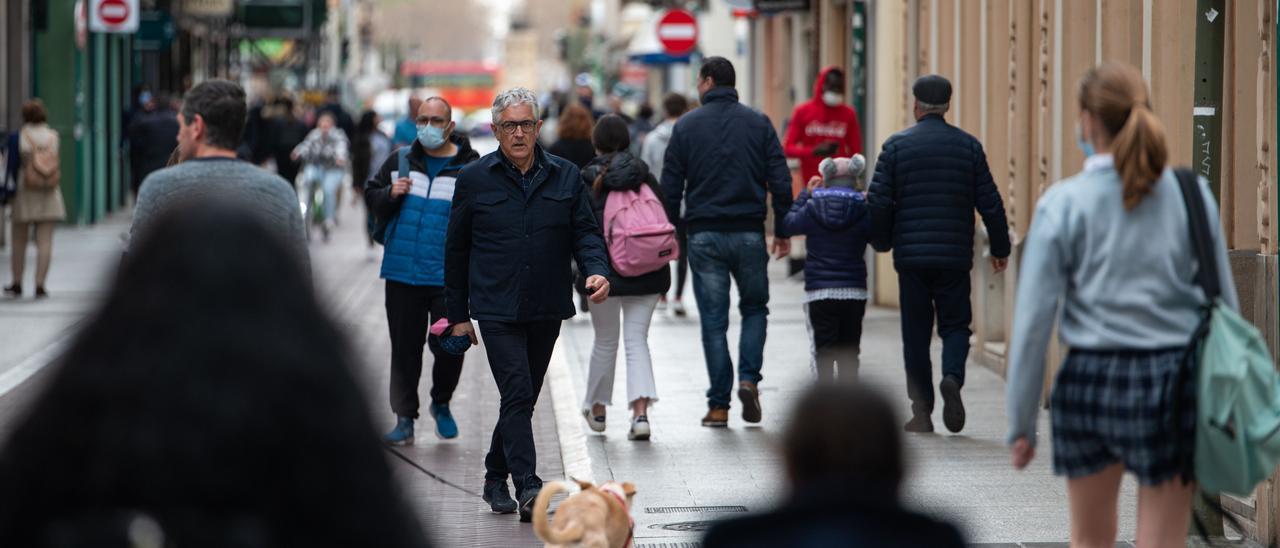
(725,159)
(153,134)
(415,207)
(519,215)
(928,180)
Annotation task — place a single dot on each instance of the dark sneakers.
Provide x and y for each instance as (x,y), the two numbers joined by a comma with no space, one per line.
(920,423)
(749,395)
(952,407)
(498,497)
(526,503)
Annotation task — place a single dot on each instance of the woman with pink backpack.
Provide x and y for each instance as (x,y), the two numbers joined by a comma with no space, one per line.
(641,241)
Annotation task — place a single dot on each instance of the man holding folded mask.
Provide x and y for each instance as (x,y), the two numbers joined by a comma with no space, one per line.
(519,216)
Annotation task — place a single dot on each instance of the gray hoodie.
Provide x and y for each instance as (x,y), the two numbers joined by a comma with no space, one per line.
(655,146)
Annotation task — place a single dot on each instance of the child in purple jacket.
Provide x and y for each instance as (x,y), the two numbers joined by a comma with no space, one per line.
(833,215)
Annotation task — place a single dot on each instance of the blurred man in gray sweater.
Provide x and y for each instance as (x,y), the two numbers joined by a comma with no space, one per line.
(211,125)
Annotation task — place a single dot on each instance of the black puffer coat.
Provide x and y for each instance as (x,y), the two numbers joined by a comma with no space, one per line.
(928,180)
(625,172)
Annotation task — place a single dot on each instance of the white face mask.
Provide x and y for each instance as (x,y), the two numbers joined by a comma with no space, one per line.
(832,98)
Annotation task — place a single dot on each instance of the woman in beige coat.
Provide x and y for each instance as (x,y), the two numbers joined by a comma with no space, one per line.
(32,206)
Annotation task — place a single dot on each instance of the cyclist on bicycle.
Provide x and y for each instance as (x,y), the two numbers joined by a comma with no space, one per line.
(324,157)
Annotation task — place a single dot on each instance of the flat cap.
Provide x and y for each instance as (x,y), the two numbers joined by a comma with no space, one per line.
(932,89)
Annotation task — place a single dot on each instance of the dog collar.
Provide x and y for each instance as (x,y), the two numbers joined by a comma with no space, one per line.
(631,530)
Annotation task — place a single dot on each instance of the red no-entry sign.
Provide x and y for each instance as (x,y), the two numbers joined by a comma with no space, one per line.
(678,32)
(113,12)
(119,16)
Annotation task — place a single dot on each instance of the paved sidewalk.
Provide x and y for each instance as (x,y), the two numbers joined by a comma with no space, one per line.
(32,332)
(689,475)
(83,259)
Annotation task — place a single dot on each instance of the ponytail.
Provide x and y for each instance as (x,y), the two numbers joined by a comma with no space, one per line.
(1117,96)
(1140,154)
(598,183)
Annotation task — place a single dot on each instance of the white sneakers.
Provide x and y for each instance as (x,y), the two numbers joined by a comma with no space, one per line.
(639,425)
(594,422)
(639,429)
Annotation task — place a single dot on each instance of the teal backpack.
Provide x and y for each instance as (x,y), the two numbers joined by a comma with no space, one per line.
(1237,385)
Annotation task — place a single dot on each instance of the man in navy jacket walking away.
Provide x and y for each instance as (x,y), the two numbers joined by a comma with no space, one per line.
(725,159)
(519,215)
(927,182)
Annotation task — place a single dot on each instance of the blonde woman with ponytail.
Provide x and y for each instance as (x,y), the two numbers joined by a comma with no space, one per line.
(1112,245)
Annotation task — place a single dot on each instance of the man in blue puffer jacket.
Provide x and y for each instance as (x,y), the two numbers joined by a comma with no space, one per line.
(415,209)
(833,214)
(928,180)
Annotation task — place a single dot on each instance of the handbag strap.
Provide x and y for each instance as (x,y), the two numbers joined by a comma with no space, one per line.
(1201,236)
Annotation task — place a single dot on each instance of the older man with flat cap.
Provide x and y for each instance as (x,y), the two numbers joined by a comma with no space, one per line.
(928,180)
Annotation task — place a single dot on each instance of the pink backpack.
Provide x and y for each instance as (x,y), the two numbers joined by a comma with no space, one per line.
(640,238)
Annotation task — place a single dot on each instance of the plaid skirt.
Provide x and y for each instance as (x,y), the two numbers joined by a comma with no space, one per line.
(1118,406)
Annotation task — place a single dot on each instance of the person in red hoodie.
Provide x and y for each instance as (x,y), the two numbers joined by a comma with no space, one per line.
(823,126)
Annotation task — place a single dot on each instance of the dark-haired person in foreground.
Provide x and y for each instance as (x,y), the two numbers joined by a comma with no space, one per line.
(211,402)
(844,463)
(211,124)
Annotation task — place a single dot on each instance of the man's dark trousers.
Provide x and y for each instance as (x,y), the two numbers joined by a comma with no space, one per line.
(518,356)
(922,294)
(410,311)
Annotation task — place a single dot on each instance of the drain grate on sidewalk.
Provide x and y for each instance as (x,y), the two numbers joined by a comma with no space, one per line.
(692,544)
(694,509)
(685,526)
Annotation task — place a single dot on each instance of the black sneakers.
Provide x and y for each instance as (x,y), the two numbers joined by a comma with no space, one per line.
(952,407)
(498,497)
(920,423)
(526,503)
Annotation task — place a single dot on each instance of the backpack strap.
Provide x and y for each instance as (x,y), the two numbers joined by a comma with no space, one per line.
(403,169)
(1201,236)
(388,228)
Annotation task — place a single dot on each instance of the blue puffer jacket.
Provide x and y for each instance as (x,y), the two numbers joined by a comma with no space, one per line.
(928,180)
(418,221)
(836,223)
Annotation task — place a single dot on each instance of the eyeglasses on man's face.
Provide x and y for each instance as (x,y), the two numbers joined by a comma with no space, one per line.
(437,121)
(526,126)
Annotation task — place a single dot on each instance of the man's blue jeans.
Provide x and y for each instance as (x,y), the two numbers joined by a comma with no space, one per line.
(713,257)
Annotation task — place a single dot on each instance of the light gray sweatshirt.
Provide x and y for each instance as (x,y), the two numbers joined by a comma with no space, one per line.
(1125,279)
(263,192)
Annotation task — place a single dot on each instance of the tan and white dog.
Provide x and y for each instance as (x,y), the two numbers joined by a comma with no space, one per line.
(595,517)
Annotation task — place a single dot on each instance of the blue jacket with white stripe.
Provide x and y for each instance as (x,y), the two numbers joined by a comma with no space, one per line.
(418,221)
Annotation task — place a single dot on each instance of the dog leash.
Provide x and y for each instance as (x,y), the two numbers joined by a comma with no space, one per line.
(429,473)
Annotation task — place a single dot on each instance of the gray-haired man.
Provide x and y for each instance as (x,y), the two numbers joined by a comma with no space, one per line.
(519,215)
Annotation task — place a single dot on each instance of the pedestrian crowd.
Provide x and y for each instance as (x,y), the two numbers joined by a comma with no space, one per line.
(493,247)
